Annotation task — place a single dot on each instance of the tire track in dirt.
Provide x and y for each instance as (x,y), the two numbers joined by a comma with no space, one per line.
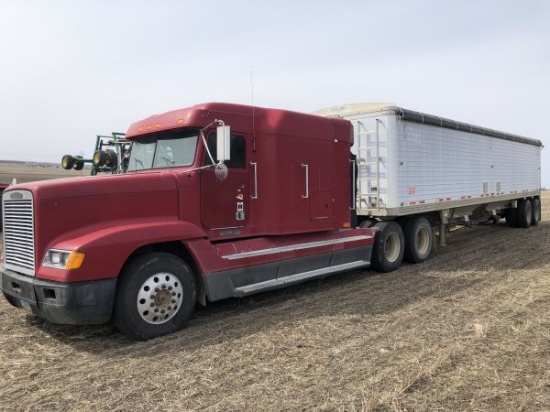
(467,329)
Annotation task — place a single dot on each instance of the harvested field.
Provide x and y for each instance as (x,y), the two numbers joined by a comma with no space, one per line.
(467,330)
(32,171)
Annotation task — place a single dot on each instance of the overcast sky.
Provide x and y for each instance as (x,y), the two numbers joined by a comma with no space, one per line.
(72,69)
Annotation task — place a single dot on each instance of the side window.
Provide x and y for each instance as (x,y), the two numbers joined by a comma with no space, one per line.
(238,151)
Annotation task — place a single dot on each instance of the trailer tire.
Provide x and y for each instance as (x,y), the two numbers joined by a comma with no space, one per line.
(419,239)
(67,162)
(156,295)
(111,159)
(99,158)
(388,248)
(78,164)
(536,206)
(525,213)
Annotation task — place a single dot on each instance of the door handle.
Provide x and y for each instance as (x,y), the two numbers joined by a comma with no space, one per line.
(353,185)
(306,166)
(255,166)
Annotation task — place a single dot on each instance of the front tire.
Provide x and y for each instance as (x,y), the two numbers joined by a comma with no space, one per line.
(156,295)
(388,248)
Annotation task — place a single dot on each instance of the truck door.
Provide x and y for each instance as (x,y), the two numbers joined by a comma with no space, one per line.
(225,204)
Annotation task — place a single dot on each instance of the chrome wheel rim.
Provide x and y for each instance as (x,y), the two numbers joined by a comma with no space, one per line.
(159,298)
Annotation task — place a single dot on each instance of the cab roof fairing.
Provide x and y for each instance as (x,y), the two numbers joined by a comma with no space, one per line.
(258,119)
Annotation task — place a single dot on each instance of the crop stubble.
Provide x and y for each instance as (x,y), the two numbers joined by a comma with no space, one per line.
(467,330)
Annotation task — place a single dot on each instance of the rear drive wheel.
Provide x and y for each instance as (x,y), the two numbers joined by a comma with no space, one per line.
(536,206)
(156,295)
(525,213)
(388,248)
(67,162)
(419,239)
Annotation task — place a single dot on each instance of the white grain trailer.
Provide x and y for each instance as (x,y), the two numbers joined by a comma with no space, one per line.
(428,172)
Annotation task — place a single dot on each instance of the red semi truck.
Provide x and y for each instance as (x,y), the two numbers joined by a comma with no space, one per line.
(218,200)
(180,227)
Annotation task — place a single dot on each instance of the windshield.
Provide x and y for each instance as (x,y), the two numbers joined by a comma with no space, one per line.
(164,149)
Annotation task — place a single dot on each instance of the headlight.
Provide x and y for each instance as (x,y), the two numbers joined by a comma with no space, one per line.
(64,259)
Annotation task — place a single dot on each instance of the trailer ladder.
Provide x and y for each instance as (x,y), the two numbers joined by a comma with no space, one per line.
(372,180)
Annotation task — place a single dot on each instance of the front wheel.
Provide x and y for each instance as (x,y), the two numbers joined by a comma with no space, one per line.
(388,248)
(156,295)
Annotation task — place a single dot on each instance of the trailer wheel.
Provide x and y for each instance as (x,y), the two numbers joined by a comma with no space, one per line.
(111,159)
(156,295)
(78,164)
(99,158)
(536,206)
(419,239)
(525,213)
(388,248)
(67,162)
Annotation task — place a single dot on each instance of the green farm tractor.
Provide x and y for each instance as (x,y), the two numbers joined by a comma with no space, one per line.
(110,156)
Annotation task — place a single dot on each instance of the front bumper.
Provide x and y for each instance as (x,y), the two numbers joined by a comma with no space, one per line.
(76,303)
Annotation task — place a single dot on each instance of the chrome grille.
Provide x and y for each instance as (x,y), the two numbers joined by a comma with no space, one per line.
(18,215)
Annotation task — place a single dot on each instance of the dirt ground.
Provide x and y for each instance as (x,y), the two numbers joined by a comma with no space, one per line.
(467,330)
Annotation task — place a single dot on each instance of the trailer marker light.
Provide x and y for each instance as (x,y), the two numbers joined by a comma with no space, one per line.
(346,225)
(179,122)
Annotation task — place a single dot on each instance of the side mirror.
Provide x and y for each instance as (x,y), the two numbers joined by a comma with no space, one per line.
(223,149)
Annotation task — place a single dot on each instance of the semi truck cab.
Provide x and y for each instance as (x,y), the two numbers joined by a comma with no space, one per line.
(218,201)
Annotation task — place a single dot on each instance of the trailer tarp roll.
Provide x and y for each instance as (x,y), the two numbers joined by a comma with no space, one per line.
(429,119)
